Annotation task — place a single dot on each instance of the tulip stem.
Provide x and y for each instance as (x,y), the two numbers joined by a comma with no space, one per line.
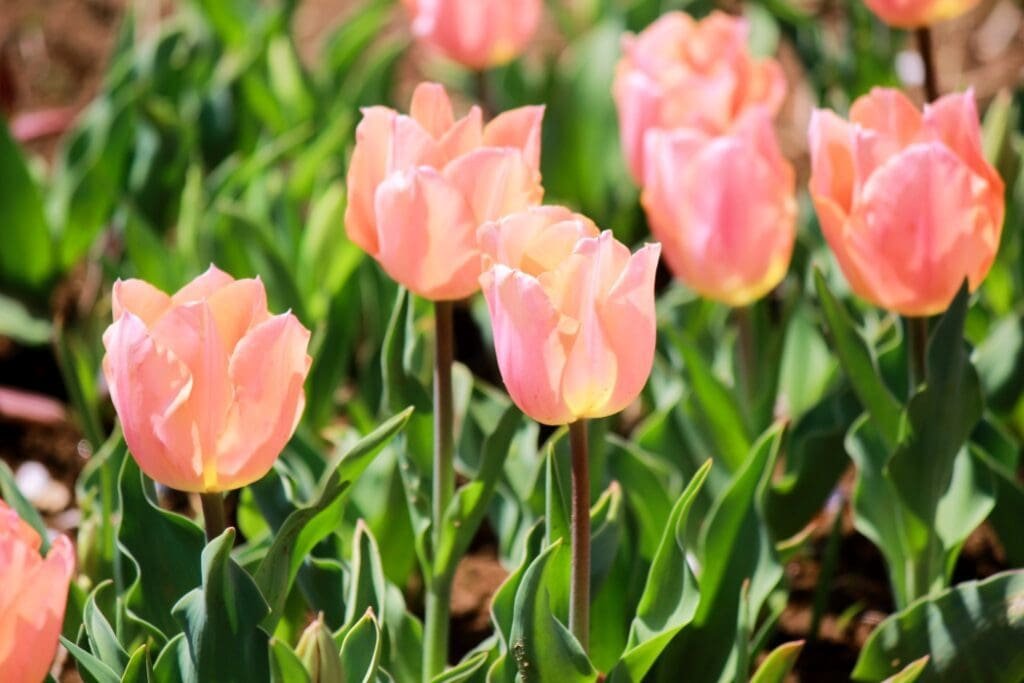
(437,607)
(483,93)
(917,350)
(747,353)
(213,514)
(579,592)
(931,73)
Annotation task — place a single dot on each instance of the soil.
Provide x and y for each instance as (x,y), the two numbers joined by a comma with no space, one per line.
(52,57)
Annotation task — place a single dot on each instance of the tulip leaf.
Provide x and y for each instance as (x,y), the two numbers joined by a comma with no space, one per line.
(91,664)
(307,526)
(400,387)
(221,619)
(360,651)
(27,257)
(503,607)
(542,647)
(137,668)
(103,641)
(670,596)
(911,672)
(173,664)
(14,498)
(367,585)
(859,364)
(161,577)
(463,670)
(940,417)
(779,662)
(971,632)
(285,665)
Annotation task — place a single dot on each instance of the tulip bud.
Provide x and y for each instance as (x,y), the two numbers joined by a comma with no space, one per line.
(478,34)
(572,312)
(916,13)
(319,653)
(724,208)
(906,200)
(681,73)
(208,385)
(33,595)
(420,185)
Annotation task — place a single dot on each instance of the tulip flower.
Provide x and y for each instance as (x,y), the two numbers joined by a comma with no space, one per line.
(723,207)
(208,385)
(33,595)
(918,13)
(478,34)
(681,73)
(420,186)
(572,313)
(906,199)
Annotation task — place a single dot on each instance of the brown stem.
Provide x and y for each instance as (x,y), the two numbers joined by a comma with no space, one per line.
(931,73)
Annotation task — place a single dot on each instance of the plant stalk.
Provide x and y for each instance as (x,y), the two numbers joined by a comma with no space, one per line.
(917,350)
(931,73)
(747,354)
(579,593)
(214,518)
(438,598)
(484,95)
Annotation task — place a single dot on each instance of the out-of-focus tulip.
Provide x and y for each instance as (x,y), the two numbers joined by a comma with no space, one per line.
(572,312)
(723,207)
(208,385)
(916,13)
(420,186)
(33,594)
(906,200)
(681,73)
(478,34)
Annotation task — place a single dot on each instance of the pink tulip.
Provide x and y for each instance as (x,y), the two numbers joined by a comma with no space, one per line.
(572,313)
(906,200)
(478,34)
(420,186)
(33,594)
(724,208)
(208,385)
(916,13)
(681,73)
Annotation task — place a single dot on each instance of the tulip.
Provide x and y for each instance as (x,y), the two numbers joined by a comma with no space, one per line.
(681,73)
(420,186)
(723,207)
(208,385)
(572,313)
(906,200)
(33,594)
(478,34)
(918,13)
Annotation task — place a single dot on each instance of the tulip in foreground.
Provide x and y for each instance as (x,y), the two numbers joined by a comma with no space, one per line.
(420,186)
(906,199)
(682,73)
(917,13)
(208,384)
(723,208)
(478,34)
(33,595)
(572,312)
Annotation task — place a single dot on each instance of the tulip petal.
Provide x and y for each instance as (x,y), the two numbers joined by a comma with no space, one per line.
(888,112)
(519,128)
(527,342)
(267,371)
(463,137)
(367,169)
(203,286)
(238,307)
(535,240)
(427,235)
(432,108)
(141,298)
(495,182)
(832,165)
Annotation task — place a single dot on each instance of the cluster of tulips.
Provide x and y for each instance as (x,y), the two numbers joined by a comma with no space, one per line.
(208,384)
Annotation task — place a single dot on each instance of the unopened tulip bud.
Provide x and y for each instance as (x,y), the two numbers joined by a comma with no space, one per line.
(320,654)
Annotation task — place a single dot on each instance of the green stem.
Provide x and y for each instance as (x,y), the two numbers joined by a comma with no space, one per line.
(931,72)
(747,354)
(579,592)
(435,637)
(213,514)
(917,350)
(484,95)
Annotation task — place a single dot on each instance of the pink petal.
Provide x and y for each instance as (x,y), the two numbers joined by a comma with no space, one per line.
(432,108)
(527,342)
(267,371)
(832,164)
(463,137)
(237,308)
(888,112)
(427,235)
(535,240)
(367,169)
(31,407)
(141,298)
(519,128)
(495,182)
(203,286)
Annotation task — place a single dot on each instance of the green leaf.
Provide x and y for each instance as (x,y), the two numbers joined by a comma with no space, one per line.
(367,585)
(103,641)
(137,669)
(27,258)
(22,326)
(463,670)
(911,673)
(161,578)
(542,647)
(972,632)
(360,651)
(173,664)
(12,495)
(221,619)
(777,665)
(400,388)
(91,663)
(670,597)
(860,365)
(285,665)
(940,417)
